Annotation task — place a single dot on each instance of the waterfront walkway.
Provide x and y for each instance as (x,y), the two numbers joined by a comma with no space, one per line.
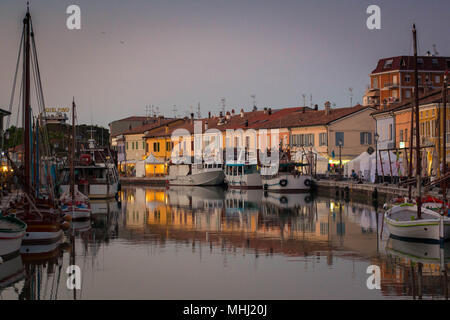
(370,189)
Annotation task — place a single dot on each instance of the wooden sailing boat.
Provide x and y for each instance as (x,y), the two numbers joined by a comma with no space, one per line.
(44,220)
(74,202)
(411,221)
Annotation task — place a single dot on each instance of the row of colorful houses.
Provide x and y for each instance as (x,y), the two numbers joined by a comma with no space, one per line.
(336,134)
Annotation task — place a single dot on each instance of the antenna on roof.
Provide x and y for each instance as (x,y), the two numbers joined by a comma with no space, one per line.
(350,90)
(222,101)
(199,114)
(174,110)
(436,53)
(304,100)
(310,101)
(254,100)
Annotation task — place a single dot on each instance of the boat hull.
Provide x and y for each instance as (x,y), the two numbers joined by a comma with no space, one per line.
(246,181)
(11,239)
(209,178)
(433,228)
(78,213)
(287,183)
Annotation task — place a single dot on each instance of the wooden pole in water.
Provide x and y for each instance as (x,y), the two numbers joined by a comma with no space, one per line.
(444,145)
(416,104)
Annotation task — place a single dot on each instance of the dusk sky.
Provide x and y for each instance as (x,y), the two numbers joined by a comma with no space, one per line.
(133,53)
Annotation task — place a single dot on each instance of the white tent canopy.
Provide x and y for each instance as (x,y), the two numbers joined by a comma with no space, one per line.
(151,159)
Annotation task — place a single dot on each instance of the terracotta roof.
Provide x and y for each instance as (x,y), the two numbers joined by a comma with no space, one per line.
(154,124)
(407,63)
(311,118)
(428,97)
(278,118)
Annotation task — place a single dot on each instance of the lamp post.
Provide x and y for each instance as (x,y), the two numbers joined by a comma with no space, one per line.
(376,156)
(340,158)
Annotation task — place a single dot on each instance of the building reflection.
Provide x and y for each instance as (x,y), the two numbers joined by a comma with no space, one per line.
(252,222)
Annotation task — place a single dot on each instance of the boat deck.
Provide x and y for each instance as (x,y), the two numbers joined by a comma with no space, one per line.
(405,215)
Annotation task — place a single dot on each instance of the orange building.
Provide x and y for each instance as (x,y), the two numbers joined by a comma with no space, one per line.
(392,81)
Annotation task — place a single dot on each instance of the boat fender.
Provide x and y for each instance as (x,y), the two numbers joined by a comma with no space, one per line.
(283,182)
(283,200)
(67,217)
(307,182)
(266,186)
(65,225)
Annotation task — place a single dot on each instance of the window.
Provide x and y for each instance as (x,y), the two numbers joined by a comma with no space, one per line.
(437,79)
(434,62)
(323,139)
(146,147)
(388,63)
(366,138)
(407,78)
(169,145)
(401,136)
(143,145)
(419,61)
(127,145)
(390,133)
(132,145)
(406,135)
(156,146)
(408,94)
(300,140)
(339,138)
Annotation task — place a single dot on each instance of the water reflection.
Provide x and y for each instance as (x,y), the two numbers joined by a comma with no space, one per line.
(202,243)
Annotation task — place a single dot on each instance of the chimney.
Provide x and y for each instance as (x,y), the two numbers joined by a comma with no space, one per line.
(232,112)
(270,111)
(255,108)
(167,128)
(265,110)
(327,107)
(209,115)
(246,122)
(206,125)
(159,121)
(192,118)
(303,110)
(242,113)
(316,107)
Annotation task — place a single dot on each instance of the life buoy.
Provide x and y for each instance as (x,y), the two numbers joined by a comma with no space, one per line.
(307,182)
(283,200)
(283,182)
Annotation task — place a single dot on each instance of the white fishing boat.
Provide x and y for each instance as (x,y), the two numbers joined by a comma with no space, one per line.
(77,207)
(196,174)
(12,230)
(403,223)
(243,176)
(288,179)
(73,201)
(95,175)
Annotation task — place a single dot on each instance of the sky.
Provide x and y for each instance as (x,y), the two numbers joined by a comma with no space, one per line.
(133,53)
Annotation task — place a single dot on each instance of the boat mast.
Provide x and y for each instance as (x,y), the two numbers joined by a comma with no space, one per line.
(72,155)
(27,107)
(416,104)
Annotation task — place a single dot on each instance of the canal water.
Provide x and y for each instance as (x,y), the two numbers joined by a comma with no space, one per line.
(209,243)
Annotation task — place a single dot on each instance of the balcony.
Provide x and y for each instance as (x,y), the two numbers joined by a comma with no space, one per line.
(391,85)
